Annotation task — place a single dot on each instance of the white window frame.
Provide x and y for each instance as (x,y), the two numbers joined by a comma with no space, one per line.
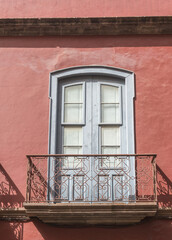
(115,73)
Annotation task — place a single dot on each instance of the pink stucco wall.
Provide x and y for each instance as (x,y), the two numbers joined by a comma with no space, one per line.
(149,230)
(24,74)
(83,8)
(25,64)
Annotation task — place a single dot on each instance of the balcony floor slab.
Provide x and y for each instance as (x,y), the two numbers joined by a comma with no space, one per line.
(85,214)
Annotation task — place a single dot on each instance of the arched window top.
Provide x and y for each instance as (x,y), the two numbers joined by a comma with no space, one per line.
(119,73)
(93,69)
(104,80)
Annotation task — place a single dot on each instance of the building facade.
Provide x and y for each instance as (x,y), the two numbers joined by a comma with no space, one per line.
(86,120)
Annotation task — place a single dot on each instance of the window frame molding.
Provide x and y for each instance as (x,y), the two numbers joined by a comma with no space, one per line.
(127,76)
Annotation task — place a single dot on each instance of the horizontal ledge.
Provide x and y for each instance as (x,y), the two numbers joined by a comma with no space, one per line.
(13,214)
(91,214)
(63,213)
(114,205)
(92,155)
(164,213)
(85,26)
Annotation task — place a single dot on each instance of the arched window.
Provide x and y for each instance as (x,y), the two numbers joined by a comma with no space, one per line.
(94,104)
(91,112)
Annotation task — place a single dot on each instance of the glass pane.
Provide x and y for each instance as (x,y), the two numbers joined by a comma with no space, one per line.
(110,113)
(109,94)
(110,108)
(72,150)
(72,162)
(111,162)
(72,136)
(73,113)
(110,150)
(73,94)
(110,136)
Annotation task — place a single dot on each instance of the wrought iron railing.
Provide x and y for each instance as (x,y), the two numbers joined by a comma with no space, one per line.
(91,178)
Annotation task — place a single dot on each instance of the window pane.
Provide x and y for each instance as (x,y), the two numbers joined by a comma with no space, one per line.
(73,94)
(72,136)
(110,136)
(73,113)
(72,150)
(110,113)
(73,106)
(111,162)
(111,150)
(72,145)
(110,107)
(109,94)
(72,162)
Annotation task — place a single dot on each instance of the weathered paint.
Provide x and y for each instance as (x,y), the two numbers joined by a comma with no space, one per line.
(24,73)
(97,26)
(84,8)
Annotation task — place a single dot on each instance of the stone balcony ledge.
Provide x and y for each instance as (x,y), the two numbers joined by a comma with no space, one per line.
(84,214)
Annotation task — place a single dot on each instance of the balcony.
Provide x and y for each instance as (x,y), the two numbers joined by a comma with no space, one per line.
(91,189)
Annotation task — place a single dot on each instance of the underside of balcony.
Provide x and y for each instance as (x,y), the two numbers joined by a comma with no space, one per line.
(75,214)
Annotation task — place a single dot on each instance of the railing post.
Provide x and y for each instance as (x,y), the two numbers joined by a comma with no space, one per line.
(154,177)
(136,175)
(29,173)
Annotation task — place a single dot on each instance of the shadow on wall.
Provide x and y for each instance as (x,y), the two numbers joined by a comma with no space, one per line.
(147,230)
(164,189)
(17,229)
(10,196)
(11,230)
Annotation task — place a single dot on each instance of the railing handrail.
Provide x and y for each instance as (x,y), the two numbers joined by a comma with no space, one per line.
(91,155)
(153,155)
